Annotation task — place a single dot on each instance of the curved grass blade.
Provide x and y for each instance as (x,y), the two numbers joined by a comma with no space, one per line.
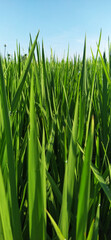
(90,234)
(84,192)
(102,182)
(72,158)
(59,234)
(104,66)
(92,91)
(96,225)
(15,210)
(23,77)
(54,187)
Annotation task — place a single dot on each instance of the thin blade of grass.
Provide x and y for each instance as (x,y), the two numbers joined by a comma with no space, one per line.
(19,63)
(69,177)
(84,192)
(59,234)
(54,188)
(104,107)
(83,93)
(36,178)
(92,91)
(63,220)
(90,234)
(50,144)
(96,225)
(67,106)
(72,159)
(101,181)
(83,84)
(32,170)
(43,188)
(104,66)
(23,77)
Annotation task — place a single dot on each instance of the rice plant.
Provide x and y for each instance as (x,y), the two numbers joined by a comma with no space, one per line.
(55,128)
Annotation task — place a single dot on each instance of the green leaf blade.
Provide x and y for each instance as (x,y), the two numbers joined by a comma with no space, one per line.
(59,234)
(23,77)
(84,192)
(4,211)
(102,182)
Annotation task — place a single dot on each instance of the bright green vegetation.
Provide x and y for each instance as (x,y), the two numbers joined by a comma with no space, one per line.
(55,156)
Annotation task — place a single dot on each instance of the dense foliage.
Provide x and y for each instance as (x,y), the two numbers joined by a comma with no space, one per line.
(55,157)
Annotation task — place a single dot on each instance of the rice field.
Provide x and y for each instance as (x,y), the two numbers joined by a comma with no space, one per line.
(55,156)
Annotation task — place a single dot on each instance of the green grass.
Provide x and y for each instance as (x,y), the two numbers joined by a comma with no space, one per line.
(55,157)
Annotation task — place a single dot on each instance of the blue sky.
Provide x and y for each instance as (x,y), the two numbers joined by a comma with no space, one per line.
(61,23)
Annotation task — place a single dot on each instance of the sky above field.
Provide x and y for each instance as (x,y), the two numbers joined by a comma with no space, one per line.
(61,23)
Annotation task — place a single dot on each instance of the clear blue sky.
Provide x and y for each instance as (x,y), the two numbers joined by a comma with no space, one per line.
(61,22)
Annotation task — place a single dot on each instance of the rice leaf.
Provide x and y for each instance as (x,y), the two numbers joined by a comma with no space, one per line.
(4,211)
(92,92)
(84,192)
(83,93)
(50,144)
(102,182)
(55,188)
(83,83)
(72,159)
(43,189)
(67,106)
(63,220)
(104,107)
(32,170)
(96,225)
(59,234)
(23,77)
(36,178)
(90,234)
(19,63)
(104,66)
